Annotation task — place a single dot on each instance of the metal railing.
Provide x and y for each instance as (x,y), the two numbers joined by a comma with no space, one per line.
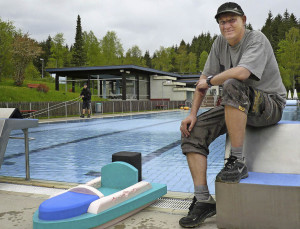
(73,107)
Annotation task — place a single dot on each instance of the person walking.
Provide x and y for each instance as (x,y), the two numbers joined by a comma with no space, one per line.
(86,98)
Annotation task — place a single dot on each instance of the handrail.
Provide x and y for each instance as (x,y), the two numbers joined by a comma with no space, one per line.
(56,106)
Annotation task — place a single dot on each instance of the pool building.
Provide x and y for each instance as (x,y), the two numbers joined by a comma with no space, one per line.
(130,82)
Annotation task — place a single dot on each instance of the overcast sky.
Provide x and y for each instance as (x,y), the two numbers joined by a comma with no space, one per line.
(146,23)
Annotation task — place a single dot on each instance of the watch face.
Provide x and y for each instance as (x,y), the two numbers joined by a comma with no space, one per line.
(208,80)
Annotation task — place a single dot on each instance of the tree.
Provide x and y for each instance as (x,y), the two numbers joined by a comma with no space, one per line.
(162,59)
(249,26)
(289,57)
(147,59)
(293,22)
(134,56)
(78,54)
(67,57)
(92,49)
(275,29)
(24,50)
(267,28)
(201,43)
(181,59)
(46,53)
(192,63)
(111,49)
(58,52)
(7,31)
(202,60)
(31,72)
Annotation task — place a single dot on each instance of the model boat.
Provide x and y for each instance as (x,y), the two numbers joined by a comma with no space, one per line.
(100,203)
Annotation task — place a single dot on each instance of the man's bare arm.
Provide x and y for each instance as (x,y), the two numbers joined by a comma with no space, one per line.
(192,118)
(239,73)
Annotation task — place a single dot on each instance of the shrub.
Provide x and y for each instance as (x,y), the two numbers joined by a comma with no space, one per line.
(31,72)
(42,88)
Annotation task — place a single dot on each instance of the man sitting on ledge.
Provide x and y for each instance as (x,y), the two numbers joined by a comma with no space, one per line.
(253,94)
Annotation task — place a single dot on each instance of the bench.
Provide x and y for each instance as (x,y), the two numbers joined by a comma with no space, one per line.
(33,85)
(27,111)
(268,197)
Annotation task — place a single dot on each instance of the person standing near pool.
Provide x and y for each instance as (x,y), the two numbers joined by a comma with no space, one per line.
(243,62)
(86,98)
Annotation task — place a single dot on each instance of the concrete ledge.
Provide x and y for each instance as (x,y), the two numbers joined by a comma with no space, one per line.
(273,149)
(164,78)
(174,84)
(175,89)
(251,206)
(38,183)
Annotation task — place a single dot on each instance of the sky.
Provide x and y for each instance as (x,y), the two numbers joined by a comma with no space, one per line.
(146,23)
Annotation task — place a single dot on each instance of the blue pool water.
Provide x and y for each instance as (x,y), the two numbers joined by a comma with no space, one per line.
(75,151)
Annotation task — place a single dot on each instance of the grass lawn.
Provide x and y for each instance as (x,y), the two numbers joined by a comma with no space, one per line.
(12,93)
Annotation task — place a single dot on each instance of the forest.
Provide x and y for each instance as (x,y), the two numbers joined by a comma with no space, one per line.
(22,57)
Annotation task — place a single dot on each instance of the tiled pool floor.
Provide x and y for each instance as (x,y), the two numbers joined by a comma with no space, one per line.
(75,151)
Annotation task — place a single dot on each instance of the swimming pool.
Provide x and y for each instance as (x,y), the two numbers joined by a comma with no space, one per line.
(75,151)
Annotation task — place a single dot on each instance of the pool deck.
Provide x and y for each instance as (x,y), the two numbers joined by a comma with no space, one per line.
(99,115)
(26,200)
(19,199)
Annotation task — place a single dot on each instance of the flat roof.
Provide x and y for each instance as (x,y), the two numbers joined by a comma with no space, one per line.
(191,76)
(112,69)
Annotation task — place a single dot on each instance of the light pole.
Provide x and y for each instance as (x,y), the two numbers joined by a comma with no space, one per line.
(42,67)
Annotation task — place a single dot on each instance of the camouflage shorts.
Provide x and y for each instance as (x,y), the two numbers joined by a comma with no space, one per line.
(262,109)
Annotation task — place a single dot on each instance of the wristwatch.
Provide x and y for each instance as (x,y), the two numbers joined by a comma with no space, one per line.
(208,81)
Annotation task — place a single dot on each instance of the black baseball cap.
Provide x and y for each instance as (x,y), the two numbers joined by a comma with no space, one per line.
(229,7)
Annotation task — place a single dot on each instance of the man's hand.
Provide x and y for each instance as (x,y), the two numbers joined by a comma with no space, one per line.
(202,86)
(189,120)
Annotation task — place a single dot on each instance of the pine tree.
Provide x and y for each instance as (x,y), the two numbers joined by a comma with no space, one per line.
(266,29)
(79,56)
(249,26)
(276,29)
(293,21)
(147,59)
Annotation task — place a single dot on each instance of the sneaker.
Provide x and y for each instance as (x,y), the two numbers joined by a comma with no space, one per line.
(82,116)
(89,116)
(198,212)
(233,171)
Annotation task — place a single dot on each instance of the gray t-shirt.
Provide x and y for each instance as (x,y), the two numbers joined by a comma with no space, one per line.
(253,52)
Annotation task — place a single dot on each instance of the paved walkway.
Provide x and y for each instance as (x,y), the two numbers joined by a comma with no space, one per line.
(19,202)
(99,115)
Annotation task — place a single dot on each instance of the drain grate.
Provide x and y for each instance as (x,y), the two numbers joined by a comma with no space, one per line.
(172,203)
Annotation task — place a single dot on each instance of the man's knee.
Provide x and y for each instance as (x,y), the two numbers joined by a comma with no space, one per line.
(236,94)
(234,86)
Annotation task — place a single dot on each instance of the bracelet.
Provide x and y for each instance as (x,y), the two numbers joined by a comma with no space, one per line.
(208,81)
